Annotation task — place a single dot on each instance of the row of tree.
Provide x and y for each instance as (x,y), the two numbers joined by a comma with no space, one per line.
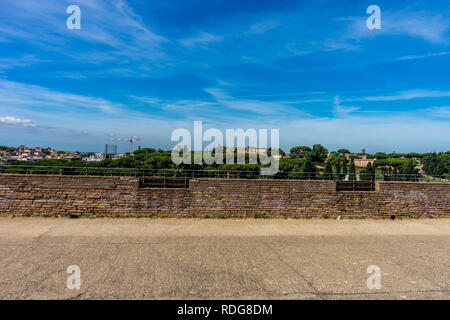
(302,159)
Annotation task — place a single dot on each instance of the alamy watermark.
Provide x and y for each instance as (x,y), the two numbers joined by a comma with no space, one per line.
(374,21)
(74,20)
(74,280)
(374,281)
(182,152)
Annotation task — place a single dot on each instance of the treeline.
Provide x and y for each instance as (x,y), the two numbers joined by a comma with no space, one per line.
(437,163)
(303,159)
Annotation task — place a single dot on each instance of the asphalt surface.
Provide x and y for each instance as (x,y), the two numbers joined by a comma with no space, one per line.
(224,259)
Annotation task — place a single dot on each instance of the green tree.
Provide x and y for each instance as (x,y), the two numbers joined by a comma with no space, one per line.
(328,172)
(337,165)
(299,152)
(395,155)
(437,163)
(280,152)
(414,155)
(308,169)
(343,151)
(380,155)
(333,154)
(290,165)
(408,167)
(344,167)
(317,154)
(370,171)
(352,170)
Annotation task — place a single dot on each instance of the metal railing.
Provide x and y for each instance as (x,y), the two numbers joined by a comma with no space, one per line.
(192,174)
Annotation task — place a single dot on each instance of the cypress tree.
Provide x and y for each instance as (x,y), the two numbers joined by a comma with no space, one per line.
(370,171)
(352,170)
(328,170)
(344,167)
(338,167)
(308,169)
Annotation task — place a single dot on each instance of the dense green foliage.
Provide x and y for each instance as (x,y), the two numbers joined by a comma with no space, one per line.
(299,152)
(7,148)
(380,155)
(437,163)
(302,159)
(317,154)
(352,170)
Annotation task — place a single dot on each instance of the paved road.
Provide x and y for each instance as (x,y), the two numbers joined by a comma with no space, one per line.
(224,259)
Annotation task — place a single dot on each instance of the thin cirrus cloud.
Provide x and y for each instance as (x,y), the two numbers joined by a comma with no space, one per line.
(110,23)
(405,95)
(441,112)
(23,61)
(13,121)
(422,56)
(21,96)
(430,26)
(201,39)
(264,26)
(247,105)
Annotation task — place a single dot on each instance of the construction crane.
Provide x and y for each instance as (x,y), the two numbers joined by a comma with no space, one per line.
(131,140)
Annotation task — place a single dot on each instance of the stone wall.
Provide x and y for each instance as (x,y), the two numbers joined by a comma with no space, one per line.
(89,195)
(53,195)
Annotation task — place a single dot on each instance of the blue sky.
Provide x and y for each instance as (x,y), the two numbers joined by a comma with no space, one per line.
(144,68)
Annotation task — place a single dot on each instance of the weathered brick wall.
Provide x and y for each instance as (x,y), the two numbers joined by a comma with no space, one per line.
(417,197)
(300,197)
(160,201)
(53,195)
(87,195)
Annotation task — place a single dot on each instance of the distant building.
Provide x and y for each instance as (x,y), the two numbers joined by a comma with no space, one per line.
(250,150)
(363,162)
(119,155)
(97,157)
(420,168)
(110,149)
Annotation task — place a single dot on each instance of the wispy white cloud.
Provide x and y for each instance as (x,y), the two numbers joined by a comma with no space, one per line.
(301,48)
(24,96)
(422,56)
(201,39)
(23,61)
(264,26)
(432,27)
(405,95)
(13,121)
(260,107)
(339,110)
(110,23)
(441,112)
